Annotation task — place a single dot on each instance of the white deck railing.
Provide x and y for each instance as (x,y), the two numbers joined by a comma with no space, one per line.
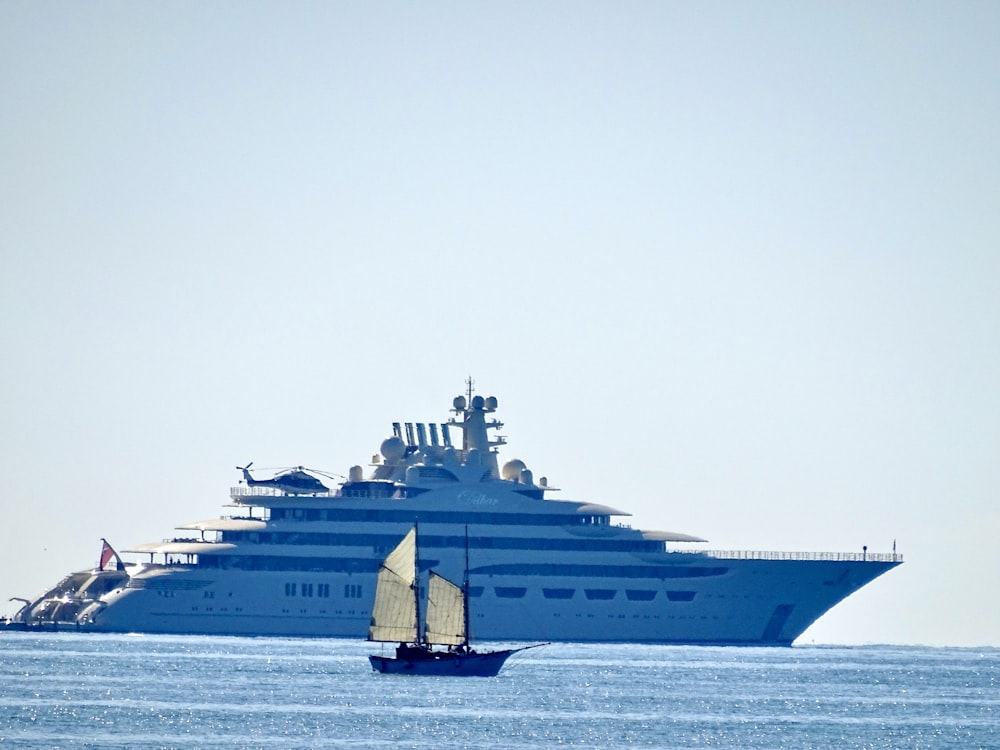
(827,556)
(244,491)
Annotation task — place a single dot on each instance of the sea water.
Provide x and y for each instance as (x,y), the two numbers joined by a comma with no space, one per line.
(68,690)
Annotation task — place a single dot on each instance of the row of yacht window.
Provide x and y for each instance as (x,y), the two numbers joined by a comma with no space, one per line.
(385,542)
(356,591)
(458,518)
(359,565)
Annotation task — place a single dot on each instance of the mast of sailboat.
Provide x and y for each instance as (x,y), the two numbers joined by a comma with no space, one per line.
(465,591)
(421,632)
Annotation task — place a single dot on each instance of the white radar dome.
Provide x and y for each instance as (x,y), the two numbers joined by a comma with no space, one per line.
(512,469)
(393,448)
(459,403)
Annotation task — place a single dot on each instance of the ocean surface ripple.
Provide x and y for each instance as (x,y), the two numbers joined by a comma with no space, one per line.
(67,690)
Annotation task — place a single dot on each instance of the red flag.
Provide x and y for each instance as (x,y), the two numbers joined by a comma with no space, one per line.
(107,554)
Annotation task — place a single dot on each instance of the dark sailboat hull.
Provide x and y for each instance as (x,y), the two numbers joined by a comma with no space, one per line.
(444,663)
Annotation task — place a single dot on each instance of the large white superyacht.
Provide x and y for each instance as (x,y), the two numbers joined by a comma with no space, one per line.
(294,557)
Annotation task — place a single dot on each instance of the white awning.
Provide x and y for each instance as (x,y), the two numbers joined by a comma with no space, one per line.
(670,536)
(180,548)
(601,510)
(225,524)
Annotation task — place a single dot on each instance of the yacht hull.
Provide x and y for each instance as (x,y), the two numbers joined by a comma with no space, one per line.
(754,602)
(290,564)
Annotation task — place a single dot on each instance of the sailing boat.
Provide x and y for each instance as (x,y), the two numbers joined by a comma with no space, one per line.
(396,618)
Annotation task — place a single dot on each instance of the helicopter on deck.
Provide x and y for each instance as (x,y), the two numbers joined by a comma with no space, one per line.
(293,481)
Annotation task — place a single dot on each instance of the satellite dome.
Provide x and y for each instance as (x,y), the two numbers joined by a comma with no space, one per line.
(491,403)
(477,402)
(393,448)
(459,403)
(512,469)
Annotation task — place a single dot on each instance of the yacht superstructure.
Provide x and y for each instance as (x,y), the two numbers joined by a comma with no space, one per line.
(288,562)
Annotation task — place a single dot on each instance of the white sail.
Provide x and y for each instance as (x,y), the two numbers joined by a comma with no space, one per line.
(394,616)
(445,621)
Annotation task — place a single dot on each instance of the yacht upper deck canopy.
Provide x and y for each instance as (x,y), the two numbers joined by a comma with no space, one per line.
(670,536)
(590,509)
(225,524)
(179,548)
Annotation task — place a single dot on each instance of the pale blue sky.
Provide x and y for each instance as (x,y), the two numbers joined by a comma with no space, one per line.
(734,267)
